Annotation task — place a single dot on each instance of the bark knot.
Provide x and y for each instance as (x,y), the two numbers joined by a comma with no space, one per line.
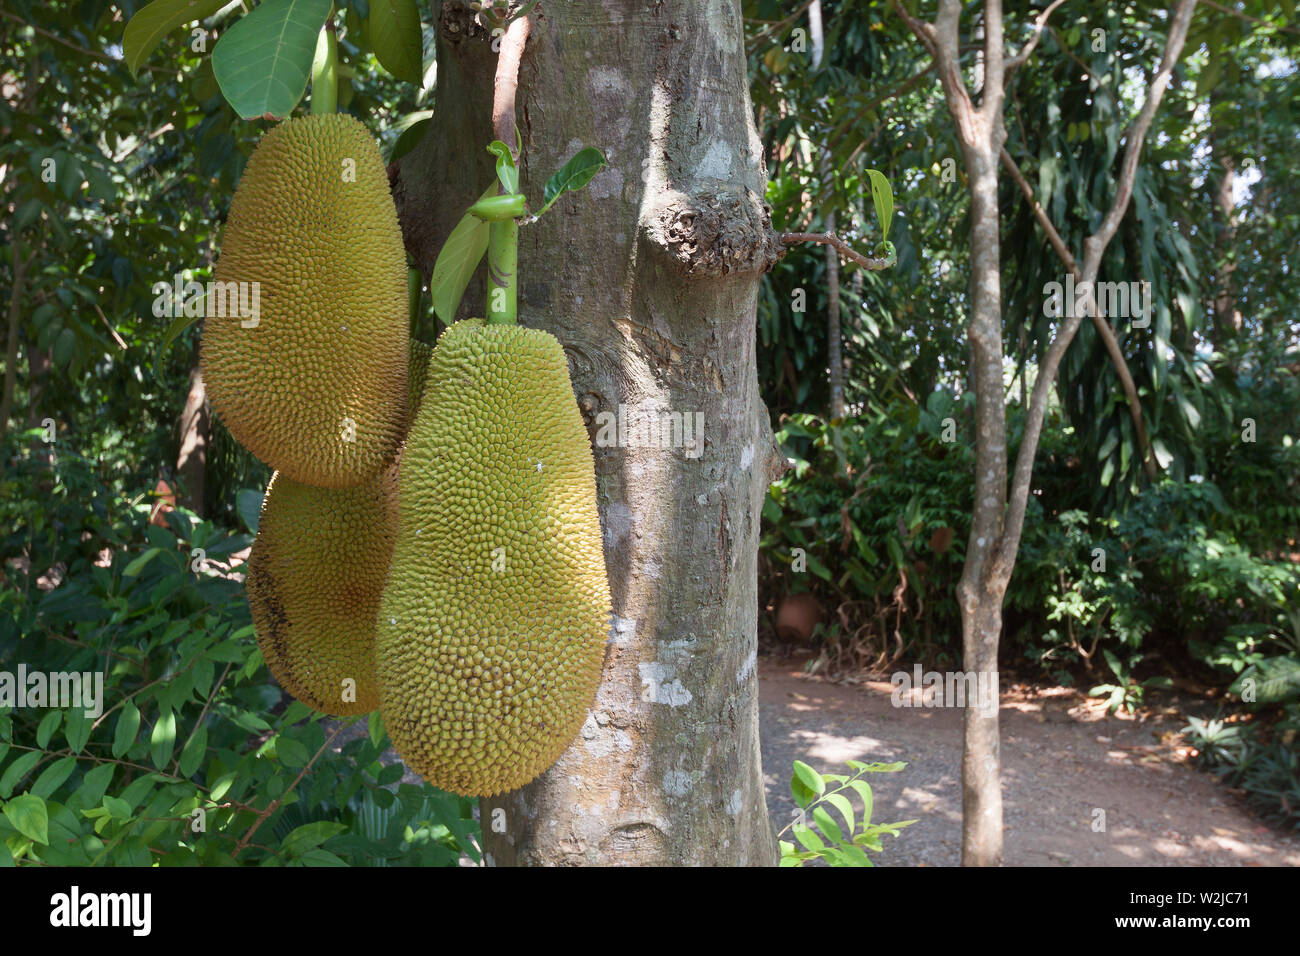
(721,229)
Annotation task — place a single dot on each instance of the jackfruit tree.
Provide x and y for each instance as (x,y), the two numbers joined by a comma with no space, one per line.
(649,278)
(551,612)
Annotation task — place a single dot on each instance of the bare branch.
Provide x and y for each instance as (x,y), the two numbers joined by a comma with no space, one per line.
(1040,213)
(1094,246)
(844,249)
(1028,49)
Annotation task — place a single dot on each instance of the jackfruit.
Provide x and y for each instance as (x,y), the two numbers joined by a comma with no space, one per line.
(315,576)
(314,381)
(493,624)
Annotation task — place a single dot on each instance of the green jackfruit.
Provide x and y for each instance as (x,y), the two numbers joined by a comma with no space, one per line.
(315,576)
(317,386)
(493,625)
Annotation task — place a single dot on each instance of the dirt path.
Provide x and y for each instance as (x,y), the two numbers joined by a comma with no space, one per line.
(1062,759)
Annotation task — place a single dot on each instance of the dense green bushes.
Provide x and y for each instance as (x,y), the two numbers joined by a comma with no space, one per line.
(194,756)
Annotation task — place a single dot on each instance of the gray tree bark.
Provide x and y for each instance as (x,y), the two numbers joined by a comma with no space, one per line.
(192,458)
(649,279)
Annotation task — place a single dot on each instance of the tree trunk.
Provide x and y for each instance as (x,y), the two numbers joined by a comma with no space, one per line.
(834,346)
(980,593)
(1227,320)
(191,460)
(11,338)
(649,279)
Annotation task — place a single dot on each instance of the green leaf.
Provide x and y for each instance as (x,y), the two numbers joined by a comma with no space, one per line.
(507,174)
(28,815)
(321,858)
(94,783)
(117,808)
(292,753)
(136,566)
(262,62)
(163,739)
(179,325)
(856,856)
(248,502)
(842,804)
(457,260)
(809,777)
(309,836)
(128,724)
(376,728)
(46,728)
(52,777)
(16,771)
(827,825)
(409,139)
(148,27)
(807,837)
(883,197)
(864,791)
(397,38)
(193,751)
(573,175)
(76,729)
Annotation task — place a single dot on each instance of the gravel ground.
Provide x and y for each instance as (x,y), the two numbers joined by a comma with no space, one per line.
(1062,759)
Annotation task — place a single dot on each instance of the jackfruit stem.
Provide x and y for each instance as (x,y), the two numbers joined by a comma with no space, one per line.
(324,71)
(503,279)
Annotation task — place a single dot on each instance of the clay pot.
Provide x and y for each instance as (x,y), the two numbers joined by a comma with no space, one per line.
(797,617)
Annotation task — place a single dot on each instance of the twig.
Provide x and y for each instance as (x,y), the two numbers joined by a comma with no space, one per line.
(507,81)
(116,338)
(73,46)
(264,815)
(753,43)
(1093,246)
(1028,49)
(844,249)
(1040,214)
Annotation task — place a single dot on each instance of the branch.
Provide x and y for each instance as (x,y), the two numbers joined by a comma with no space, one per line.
(1098,320)
(777,27)
(1249,19)
(923,29)
(844,249)
(507,81)
(1040,213)
(1094,245)
(73,46)
(1028,49)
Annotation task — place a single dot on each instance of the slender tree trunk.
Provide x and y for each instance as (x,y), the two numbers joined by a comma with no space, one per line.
(11,340)
(979,594)
(834,340)
(1227,320)
(649,279)
(191,460)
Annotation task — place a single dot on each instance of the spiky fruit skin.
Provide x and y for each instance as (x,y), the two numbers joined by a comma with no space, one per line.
(315,577)
(419,374)
(487,671)
(317,388)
